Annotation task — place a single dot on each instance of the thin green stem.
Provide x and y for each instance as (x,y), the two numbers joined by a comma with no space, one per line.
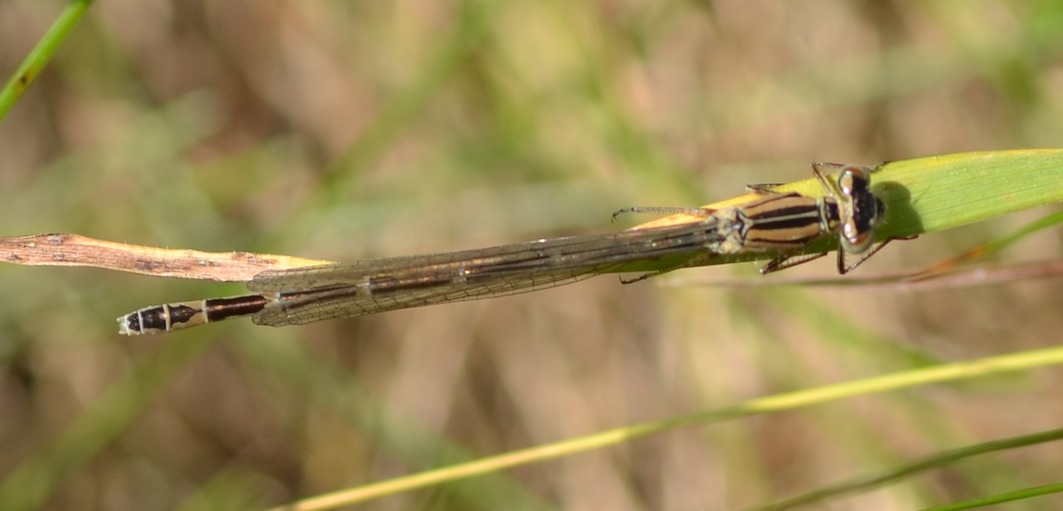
(779,402)
(41,54)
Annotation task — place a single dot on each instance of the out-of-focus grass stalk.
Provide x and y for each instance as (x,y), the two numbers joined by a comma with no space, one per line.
(41,54)
(896,474)
(1000,498)
(776,403)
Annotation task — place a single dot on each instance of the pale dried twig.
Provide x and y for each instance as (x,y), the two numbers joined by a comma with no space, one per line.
(63,249)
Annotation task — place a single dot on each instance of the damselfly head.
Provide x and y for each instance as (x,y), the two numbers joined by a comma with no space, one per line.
(862,209)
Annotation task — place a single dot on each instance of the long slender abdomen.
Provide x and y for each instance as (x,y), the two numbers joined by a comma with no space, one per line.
(175,316)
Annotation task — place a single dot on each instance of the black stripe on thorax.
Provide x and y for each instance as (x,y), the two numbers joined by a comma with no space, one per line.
(788,221)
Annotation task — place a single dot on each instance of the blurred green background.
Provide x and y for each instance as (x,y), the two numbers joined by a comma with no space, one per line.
(354,130)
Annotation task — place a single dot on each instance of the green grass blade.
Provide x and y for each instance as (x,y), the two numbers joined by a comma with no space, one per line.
(936,193)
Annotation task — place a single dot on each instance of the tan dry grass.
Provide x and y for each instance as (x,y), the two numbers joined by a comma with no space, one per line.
(352,130)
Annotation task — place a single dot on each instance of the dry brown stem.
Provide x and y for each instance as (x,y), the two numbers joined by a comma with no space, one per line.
(63,249)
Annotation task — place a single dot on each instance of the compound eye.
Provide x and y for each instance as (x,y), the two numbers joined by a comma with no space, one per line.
(854,240)
(852,178)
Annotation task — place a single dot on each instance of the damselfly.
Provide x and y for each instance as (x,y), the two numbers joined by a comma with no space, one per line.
(784,223)
(787,223)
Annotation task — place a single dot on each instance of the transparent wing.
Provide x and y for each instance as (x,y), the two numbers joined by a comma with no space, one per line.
(324,292)
(353,301)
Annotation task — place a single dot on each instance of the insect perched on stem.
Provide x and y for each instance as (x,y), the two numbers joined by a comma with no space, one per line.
(773,222)
(786,223)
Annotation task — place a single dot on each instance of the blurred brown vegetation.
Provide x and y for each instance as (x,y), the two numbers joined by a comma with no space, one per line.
(352,130)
